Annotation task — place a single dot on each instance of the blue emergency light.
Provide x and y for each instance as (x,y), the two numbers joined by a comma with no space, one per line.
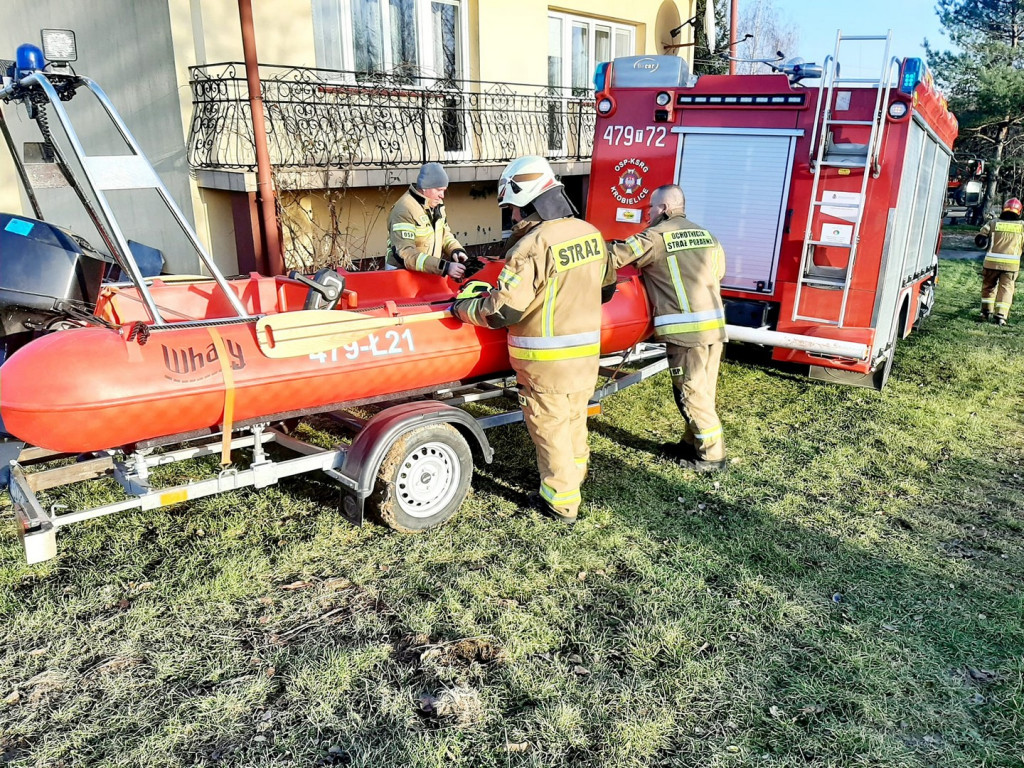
(913,71)
(28,59)
(600,76)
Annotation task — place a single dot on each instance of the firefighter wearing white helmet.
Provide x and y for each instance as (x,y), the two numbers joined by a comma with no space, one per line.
(682,266)
(1002,261)
(549,295)
(419,237)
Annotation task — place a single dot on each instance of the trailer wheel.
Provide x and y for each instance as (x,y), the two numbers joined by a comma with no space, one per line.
(423,479)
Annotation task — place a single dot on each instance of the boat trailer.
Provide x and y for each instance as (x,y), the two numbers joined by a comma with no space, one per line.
(409,465)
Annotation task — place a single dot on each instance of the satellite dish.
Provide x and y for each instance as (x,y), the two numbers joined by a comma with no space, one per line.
(709,24)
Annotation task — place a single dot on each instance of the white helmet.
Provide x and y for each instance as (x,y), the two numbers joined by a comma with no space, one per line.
(524,180)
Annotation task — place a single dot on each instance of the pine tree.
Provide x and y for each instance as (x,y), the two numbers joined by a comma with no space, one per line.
(706,59)
(984,79)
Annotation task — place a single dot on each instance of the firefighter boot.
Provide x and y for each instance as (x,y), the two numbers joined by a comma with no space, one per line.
(705,466)
(681,450)
(1000,320)
(537,502)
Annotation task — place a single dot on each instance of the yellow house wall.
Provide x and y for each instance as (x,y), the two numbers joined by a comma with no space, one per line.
(220,236)
(513,36)
(507,41)
(284,30)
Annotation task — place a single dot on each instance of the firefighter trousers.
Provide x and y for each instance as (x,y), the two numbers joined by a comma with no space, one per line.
(558,426)
(694,384)
(997,286)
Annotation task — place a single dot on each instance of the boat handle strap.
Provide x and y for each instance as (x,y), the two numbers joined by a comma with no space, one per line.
(229,395)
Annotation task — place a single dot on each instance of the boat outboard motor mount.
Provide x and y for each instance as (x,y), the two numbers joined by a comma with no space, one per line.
(43,270)
(325,288)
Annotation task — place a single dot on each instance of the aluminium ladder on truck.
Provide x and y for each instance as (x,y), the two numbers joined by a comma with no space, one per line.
(853,158)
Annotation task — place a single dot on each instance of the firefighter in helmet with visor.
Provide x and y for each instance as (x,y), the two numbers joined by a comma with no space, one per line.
(1002,261)
(549,295)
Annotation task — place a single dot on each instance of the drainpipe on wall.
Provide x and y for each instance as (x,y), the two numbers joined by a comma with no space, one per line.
(264,181)
(734,23)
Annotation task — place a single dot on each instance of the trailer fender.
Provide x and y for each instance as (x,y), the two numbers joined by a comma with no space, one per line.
(364,458)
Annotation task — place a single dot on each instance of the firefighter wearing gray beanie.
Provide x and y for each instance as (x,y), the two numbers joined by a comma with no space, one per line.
(432,176)
(418,234)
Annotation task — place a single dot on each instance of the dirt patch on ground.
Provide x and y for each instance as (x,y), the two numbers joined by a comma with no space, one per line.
(451,653)
(959,241)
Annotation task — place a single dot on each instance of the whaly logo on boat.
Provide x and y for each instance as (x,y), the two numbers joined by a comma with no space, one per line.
(189,361)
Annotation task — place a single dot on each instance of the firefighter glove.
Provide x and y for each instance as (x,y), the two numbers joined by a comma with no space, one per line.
(472,289)
(460,254)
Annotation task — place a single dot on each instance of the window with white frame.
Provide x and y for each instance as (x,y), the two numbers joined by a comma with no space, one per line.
(446,39)
(577,44)
(391,36)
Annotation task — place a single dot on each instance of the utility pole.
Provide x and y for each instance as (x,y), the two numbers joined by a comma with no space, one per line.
(264,181)
(734,23)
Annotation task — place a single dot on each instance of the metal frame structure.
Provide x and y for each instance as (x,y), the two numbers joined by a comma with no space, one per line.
(819,144)
(101,174)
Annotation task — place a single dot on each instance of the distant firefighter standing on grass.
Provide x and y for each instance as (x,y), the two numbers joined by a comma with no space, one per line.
(1002,261)
(682,267)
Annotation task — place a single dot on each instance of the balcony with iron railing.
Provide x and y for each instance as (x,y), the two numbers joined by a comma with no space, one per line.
(373,129)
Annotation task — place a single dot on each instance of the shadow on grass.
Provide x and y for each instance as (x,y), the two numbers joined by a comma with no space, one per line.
(714,615)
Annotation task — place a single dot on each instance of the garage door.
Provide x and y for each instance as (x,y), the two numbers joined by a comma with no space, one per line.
(737,186)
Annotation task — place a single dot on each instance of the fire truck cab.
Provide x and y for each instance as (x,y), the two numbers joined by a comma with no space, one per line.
(827,199)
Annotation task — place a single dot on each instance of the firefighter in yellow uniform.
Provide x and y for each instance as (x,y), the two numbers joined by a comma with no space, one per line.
(1002,261)
(682,267)
(418,234)
(549,296)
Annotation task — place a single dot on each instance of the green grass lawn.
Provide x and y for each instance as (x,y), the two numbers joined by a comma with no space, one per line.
(960,229)
(849,594)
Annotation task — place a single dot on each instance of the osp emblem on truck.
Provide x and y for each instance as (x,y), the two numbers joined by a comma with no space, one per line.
(630,189)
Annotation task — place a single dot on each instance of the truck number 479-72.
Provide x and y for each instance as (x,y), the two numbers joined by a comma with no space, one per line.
(628,136)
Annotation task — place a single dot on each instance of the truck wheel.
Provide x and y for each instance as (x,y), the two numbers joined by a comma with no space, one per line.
(423,479)
(926,302)
(880,377)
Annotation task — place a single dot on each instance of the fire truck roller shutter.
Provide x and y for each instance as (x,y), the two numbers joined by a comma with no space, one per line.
(736,182)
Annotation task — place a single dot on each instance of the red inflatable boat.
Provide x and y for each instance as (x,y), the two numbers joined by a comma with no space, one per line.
(95,388)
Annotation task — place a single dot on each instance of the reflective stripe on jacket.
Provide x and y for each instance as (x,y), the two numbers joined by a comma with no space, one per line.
(682,267)
(1006,241)
(419,238)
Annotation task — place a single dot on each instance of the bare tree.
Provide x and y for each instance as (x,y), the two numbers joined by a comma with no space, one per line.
(771,33)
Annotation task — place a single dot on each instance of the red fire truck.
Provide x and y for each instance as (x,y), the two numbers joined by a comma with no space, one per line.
(827,199)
